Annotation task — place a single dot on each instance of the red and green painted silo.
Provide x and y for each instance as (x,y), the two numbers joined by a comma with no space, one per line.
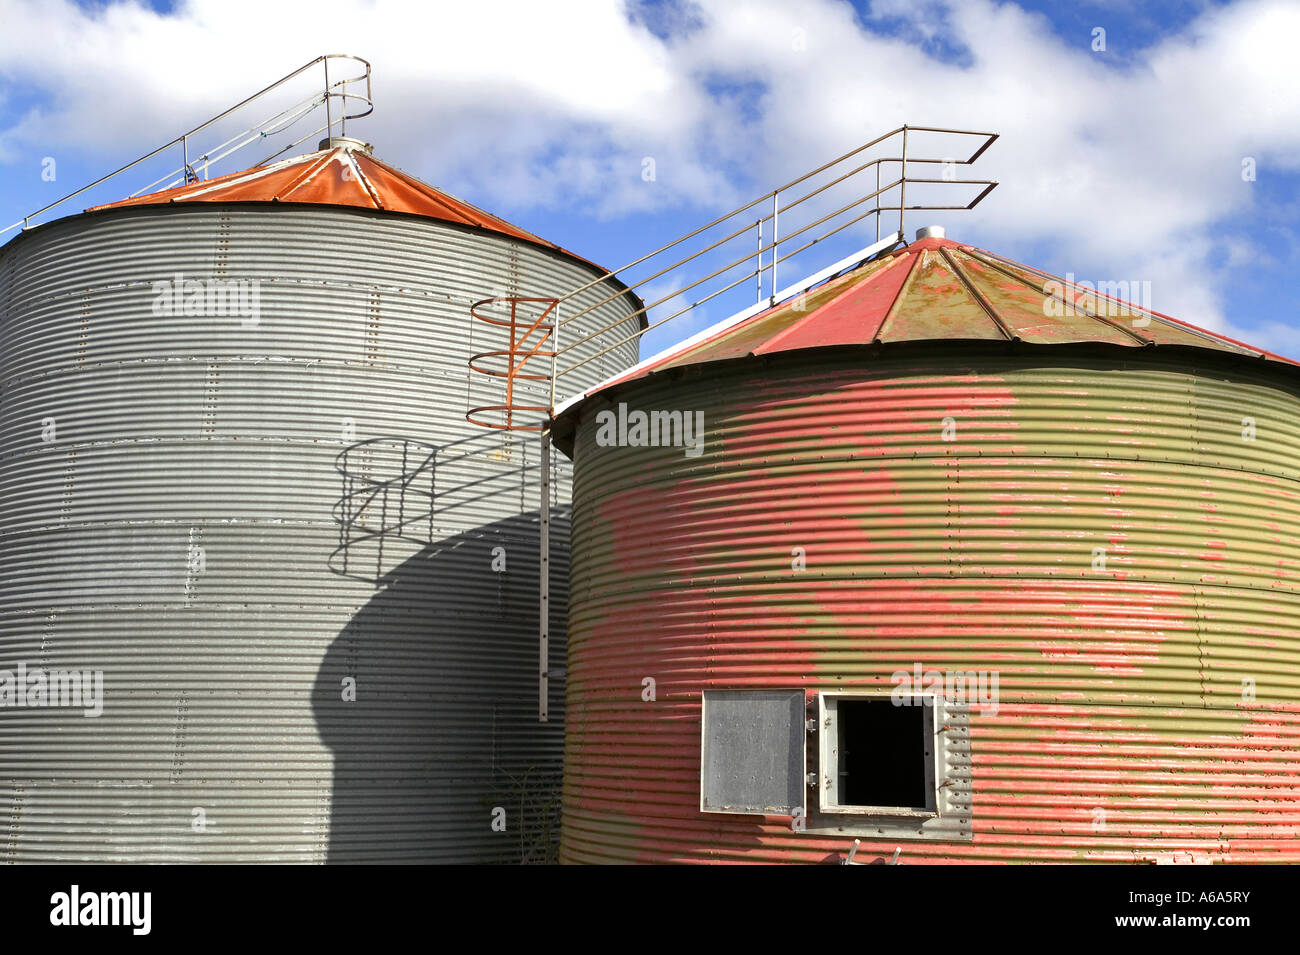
(940,466)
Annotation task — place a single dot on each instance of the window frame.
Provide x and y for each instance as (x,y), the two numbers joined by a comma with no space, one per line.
(828,756)
(951,751)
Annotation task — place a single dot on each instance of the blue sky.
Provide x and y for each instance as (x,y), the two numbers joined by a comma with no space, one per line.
(1116,164)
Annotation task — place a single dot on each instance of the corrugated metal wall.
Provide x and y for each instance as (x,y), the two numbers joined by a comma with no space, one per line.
(1126,731)
(177,531)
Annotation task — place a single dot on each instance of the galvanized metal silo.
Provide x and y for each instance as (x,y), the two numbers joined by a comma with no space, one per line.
(180,374)
(940,463)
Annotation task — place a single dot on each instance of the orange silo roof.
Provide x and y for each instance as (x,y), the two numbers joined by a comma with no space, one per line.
(341,175)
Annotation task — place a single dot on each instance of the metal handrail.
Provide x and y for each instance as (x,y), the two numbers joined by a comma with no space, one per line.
(771,249)
(338,89)
(268,127)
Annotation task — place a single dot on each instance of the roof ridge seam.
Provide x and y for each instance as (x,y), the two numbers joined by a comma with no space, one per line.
(1074,305)
(978,296)
(365,181)
(307,175)
(898,296)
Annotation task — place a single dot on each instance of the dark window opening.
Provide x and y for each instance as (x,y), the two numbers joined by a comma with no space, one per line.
(882,754)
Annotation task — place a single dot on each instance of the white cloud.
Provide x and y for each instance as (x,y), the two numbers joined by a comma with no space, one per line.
(480,90)
(1124,170)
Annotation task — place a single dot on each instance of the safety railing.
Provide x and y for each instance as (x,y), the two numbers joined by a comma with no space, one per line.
(343,96)
(755,244)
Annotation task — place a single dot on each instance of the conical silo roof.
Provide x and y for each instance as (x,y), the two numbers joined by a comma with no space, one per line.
(937,291)
(342,174)
(942,291)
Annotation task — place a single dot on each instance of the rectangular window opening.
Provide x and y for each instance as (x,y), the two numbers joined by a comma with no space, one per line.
(878,755)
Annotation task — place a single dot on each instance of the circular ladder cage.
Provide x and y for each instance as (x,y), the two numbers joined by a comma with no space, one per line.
(528,340)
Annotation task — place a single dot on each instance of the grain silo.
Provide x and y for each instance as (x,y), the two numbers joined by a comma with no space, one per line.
(970,564)
(238,481)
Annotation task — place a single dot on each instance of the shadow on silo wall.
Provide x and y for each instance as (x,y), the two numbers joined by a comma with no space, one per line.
(442,736)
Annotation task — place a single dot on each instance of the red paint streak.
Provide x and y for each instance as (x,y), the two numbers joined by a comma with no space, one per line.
(1116,694)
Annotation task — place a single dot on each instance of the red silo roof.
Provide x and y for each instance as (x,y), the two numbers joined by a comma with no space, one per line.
(342,175)
(942,291)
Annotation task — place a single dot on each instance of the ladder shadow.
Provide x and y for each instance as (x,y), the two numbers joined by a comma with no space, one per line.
(440,732)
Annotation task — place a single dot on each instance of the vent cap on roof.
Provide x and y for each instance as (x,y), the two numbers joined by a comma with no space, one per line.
(930,232)
(346,142)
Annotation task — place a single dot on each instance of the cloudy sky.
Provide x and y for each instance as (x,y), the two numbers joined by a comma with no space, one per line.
(1170,156)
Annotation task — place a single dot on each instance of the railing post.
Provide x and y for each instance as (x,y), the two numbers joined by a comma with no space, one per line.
(544,582)
(775,240)
(902,185)
(758,273)
(877,200)
(329,123)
